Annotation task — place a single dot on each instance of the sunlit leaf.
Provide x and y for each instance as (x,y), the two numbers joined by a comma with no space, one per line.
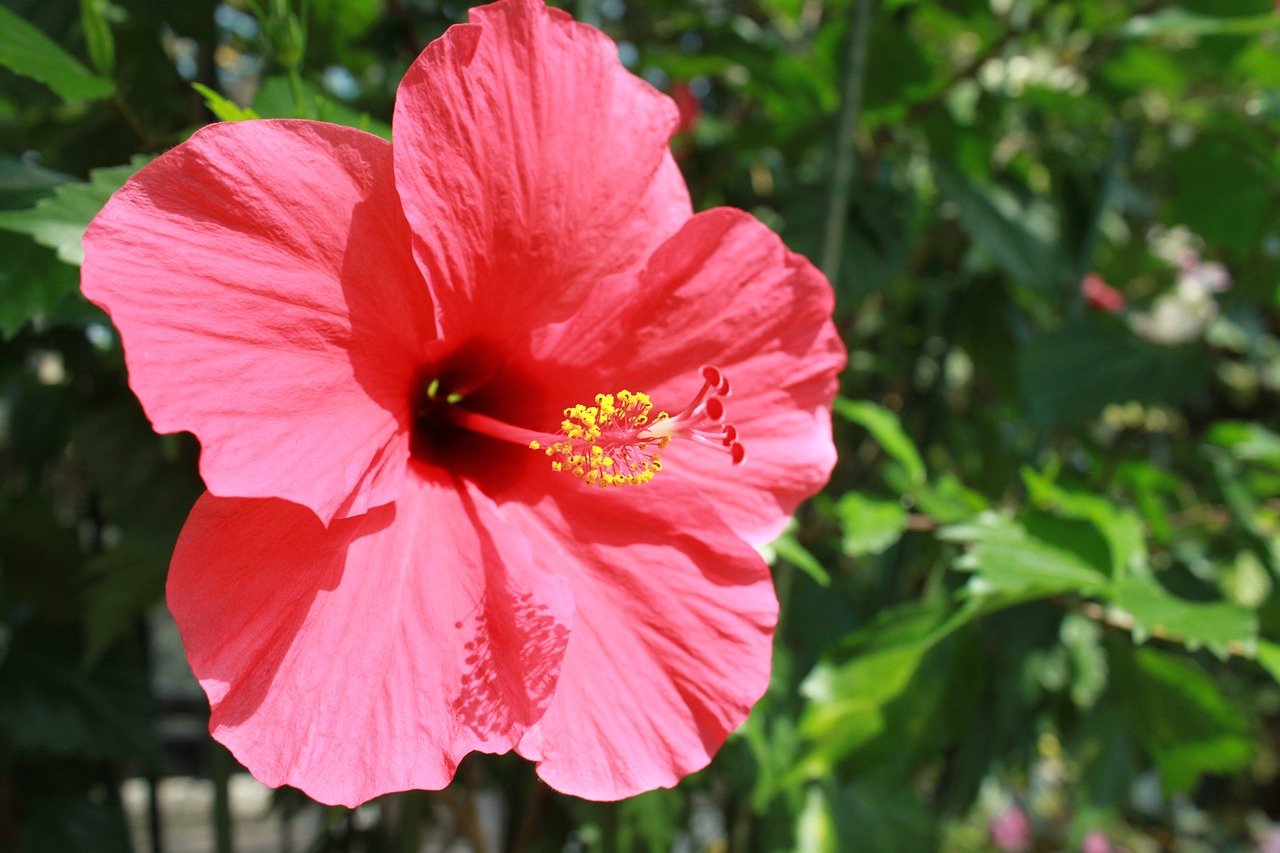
(886,429)
(870,525)
(224,108)
(1119,525)
(789,548)
(1220,626)
(60,220)
(1004,556)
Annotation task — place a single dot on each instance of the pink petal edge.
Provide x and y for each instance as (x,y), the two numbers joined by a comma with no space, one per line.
(671,644)
(724,290)
(261,278)
(531,163)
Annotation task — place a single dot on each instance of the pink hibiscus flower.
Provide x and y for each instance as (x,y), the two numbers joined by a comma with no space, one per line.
(391,355)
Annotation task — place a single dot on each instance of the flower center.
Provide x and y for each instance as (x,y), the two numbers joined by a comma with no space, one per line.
(617,442)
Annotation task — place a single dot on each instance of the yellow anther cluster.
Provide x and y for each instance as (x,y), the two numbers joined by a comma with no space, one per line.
(606,444)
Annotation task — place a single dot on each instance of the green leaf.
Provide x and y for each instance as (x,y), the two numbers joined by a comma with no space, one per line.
(1077,369)
(97,35)
(1183,720)
(848,691)
(123,584)
(789,548)
(886,429)
(224,108)
(1217,625)
(1120,526)
(50,703)
(27,51)
(1006,557)
(948,501)
(275,100)
(880,814)
(870,525)
(129,465)
(1247,442)
(1180,22)
(23,183)
(60,220)
(997,223)
(1221,192)
(32,280)
(1269,658)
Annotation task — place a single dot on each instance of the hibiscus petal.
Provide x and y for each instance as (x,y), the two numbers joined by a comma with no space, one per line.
(373,655)
(671,642)
(262,280)
(530,164)
(723,291)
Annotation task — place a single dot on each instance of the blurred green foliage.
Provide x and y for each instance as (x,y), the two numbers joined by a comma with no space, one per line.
(1043,579)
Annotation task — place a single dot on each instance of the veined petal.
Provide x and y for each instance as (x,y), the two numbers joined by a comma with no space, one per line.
(262,280)
(671,642)
(724,291)
(373,655)
(531,164)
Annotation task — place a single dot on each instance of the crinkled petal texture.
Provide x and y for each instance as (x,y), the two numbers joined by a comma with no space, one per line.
(373,655)
(262,280)
(531,164)
(671,642)
(725,291)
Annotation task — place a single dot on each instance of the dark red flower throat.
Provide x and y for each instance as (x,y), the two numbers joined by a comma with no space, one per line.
(469,398)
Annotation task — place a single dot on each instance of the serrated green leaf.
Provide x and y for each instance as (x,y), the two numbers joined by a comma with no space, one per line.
(1005,557)
(1218,625)
(1183,719)
(224,108)
(1120,526)
(886,429)
(60,220)
(869,525)
(27,51)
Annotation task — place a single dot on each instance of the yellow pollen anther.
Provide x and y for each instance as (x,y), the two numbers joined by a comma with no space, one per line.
(619,440)
(608,444)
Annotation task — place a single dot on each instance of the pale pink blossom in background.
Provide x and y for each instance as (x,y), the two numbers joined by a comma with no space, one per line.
(1011,831)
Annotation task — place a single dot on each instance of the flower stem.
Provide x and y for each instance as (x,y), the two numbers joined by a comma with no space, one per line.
(845,144)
